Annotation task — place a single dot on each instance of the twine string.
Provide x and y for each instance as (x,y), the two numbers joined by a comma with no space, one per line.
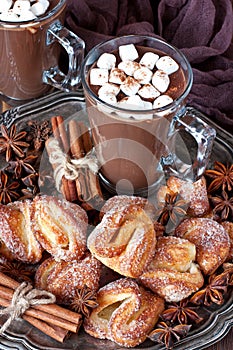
(67,167)
(24,297)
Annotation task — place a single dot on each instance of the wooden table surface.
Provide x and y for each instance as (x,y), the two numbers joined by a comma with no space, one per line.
(225,344)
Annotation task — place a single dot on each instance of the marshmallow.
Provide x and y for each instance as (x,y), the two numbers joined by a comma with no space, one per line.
(149,59)
(5,5)
(27,16)
(132,102)
(130,86)
(98,76)
(128,52)
(148,105)
(161,80)
(40,7)
(129,67)
(137,104)
(9,16)
(117,76)
(149,92)
(109,98)
(106,60)
(143,75)
(167,64)
(162,101)
(21,6)
(109,88)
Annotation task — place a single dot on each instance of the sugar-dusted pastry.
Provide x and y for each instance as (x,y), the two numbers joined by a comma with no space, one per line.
(117,202)
(172,273)
(194,193)
(16,232)
(63,278)
(126,313)
(60,227)
(211,240)
(124,240)
(228,226)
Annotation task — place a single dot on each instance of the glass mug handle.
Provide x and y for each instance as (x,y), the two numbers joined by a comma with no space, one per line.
(74,46)
(190,121)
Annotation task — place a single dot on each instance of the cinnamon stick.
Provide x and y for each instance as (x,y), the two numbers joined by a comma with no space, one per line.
(53,331)
(60,132)
(52,309)
(68,186)
(7,294)
(87,183)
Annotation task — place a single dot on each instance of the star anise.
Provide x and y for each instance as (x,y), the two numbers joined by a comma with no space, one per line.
(181,312)
(223,206)
(12,142)
(39,133)
(20,165)
(31,183)
(17,270)
(84,300)
(228,267)
(7,189)
(168,335)
(214,292)
(222,177)
(172,210)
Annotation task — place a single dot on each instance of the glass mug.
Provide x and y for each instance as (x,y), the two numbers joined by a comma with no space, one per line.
(136,148)
(30,54)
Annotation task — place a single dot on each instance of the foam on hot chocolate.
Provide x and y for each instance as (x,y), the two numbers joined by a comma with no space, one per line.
(148,75)
(22,10)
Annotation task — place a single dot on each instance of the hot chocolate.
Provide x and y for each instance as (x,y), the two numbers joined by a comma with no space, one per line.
(30,50)
(24,57)
(129,143)
(136,88)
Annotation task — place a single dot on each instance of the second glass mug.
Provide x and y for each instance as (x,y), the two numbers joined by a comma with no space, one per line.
(136,148)
(30,53)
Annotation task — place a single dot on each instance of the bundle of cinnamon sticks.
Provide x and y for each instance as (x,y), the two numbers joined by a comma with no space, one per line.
(76,142)
(53,320)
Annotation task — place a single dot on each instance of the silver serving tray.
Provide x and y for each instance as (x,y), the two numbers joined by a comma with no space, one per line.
(22,336)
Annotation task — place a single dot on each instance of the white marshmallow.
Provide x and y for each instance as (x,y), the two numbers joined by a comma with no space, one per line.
(143,75)
(137,104)
(148,91)
(131,102)
(128,52)
(148,105)
(130,86)
(9,16)
(40,7)
(109,88)
(5,5)
(149,59)
(106,60)
(161,80)
(129,67)
(21,6)
(109,98)
(98,76)
(27,16)
(162,101)
(117,76)
(167,64)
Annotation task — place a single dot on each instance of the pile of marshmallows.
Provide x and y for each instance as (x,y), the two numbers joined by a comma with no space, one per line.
(22,10)
(135,79)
